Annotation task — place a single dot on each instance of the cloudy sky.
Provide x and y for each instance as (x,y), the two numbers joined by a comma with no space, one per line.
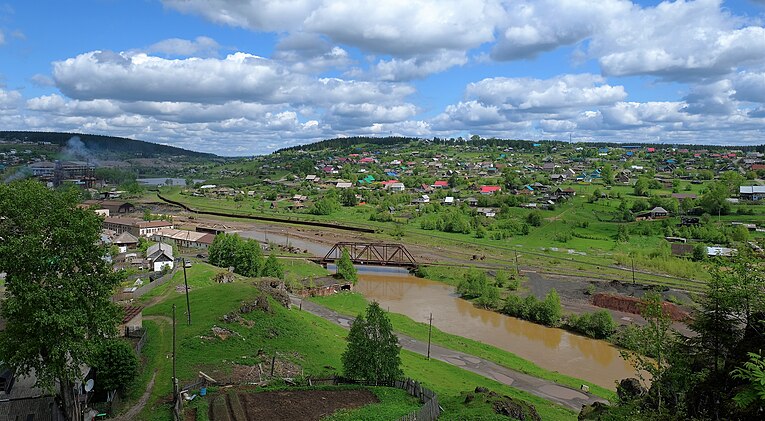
(241,77)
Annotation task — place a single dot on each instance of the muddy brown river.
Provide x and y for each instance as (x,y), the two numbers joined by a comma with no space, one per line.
(553,349)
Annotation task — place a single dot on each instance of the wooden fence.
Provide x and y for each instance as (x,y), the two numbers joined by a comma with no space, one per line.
(140,333)
(127,296)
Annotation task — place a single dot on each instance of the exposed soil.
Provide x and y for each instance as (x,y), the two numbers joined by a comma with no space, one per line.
(576,295)
(288,405)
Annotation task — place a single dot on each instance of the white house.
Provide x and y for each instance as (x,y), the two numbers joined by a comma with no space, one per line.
(396,187)
(159,256)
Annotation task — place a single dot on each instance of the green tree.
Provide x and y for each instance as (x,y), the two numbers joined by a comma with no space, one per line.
(57,303)
(641,186)
(655,341)
(373,352)
(753,372)
(325,206)
(116,365)
(489,298)
(273,267)
(714,200)
(474,284)
(230,250)
(348,198)
(549,311)
(345,268)
(534,218)
(699,252)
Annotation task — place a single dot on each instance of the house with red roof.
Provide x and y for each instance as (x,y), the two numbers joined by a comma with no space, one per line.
(490,189)
(440,184)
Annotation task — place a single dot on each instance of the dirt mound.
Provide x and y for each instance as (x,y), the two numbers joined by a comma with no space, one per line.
(634,305)
(504,405)
(292,405)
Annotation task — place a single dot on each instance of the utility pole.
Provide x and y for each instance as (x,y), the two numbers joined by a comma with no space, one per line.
(176,394)
(186,284)
(633,270)
(517,268)
(430,328)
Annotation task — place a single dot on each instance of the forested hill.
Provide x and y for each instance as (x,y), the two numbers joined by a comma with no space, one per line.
(103,145)
(347,142)
(359,141)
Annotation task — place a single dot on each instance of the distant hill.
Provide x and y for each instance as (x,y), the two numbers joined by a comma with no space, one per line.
(103,145)
(357,141)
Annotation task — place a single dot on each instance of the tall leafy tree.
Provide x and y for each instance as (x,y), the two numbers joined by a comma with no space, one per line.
(373,352)
(230,250)
(58,287)
(272,267)
(655,341)
(345,268)
(116,365)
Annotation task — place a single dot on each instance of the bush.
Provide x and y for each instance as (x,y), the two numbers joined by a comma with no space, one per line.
(547,312)
(598,325)
(534,218)
(489,298)
(473,285)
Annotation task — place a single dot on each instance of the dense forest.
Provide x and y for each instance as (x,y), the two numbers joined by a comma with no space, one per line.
(104,145)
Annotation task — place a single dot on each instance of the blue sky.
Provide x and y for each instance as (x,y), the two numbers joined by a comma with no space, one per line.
(241,77)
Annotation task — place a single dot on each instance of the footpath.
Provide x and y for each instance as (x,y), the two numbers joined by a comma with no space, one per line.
(551,391)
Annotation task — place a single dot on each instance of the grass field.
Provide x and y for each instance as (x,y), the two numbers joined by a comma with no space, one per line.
(299,337)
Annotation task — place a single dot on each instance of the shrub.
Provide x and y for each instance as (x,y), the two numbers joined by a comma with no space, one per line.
(547,312)
(598,325)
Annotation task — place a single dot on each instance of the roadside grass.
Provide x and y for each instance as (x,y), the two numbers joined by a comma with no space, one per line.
(313,343)
(394,403)
(352,304)
(200,274)
(449,382)
(299,268)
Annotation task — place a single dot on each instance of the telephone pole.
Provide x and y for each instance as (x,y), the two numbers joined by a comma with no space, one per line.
(430,328)
(186,284)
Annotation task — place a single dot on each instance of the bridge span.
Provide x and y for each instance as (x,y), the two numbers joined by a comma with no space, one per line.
(380,254)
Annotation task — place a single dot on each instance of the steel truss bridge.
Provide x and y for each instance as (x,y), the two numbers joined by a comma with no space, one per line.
(381,254)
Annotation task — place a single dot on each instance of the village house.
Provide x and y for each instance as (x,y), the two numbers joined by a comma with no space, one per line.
(490,189)
(396,187)
(113,206)
(159,256)
(125,241)
(132,320)
(135,226)
(752,193)
(183,238)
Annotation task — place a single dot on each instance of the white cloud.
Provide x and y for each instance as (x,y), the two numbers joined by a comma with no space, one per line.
(401,28)
(417,67)
(9,100)
(200,47)
(541,95)
(678,40)
(259,15)
(713,98)
(532,27)
(310,53)
(404,27)
(239,76)
(750,86)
